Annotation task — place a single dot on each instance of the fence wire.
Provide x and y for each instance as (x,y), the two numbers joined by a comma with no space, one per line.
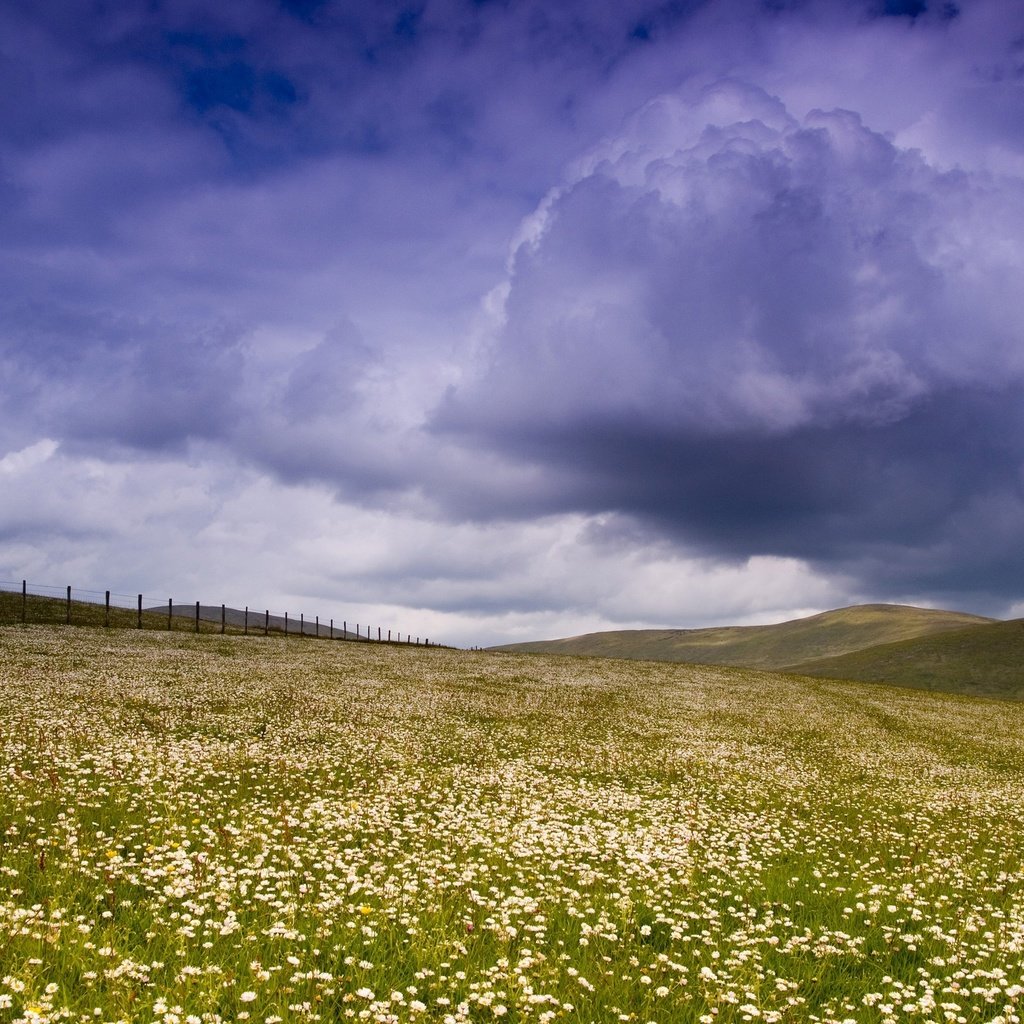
(37,603)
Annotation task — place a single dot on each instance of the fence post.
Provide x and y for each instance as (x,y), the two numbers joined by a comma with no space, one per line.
(332,629)
(246,627)
(69,605)
(24,600)
(344,630)
(389,636)
(285,623)
(318,627)
(197,616)
(266,624)
(170,614)
(106,609)
(223,619)
(140,611)
(302,623)
(378,634)
(357,630)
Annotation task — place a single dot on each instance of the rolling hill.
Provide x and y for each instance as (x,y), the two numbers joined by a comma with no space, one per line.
(256,620)
(777,646)
(984,660)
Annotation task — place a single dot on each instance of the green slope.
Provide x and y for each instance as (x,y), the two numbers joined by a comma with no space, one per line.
(984,660)
(780,645)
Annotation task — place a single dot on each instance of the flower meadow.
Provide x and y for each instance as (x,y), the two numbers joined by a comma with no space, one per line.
(204,829)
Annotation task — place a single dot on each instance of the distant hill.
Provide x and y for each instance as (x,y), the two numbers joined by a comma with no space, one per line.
(257,620)
(984,660)
(778,646)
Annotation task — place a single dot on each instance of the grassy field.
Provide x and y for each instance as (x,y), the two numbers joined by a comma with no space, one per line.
(203,828)
(35,609)
(54,611)
(985,660)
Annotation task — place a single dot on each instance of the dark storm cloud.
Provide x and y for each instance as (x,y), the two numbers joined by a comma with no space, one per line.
(260,234)
(774,336)
(99,379)
(905,501)
(177,180)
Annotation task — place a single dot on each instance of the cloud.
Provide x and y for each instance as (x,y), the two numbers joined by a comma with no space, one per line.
(192,529)
(15,463)
(766,329)
(771,335)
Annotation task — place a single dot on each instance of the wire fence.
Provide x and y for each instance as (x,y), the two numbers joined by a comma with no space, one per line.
(26,602)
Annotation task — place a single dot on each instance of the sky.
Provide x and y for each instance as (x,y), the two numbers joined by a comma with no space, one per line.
(506,320)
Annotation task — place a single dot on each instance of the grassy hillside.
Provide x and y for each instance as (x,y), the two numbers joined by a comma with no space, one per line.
(56,611)
(206,828)
(984,660)
(775,646)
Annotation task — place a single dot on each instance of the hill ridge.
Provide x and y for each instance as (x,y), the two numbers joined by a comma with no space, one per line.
(780,645)
(984,660)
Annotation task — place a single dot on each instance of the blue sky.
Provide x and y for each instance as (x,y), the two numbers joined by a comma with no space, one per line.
(506,320)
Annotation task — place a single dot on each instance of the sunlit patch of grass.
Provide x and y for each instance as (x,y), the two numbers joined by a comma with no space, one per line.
(202,829)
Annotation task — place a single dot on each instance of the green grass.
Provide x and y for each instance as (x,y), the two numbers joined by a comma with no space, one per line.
(774,646)
(202,829)
(54,610)
(36,609)
(985,660)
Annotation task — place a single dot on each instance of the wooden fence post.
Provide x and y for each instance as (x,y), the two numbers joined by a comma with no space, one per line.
(69,605)
(197,616)
(140,611)
(223,619)
(318,626)
(266,624)
(106,610)
(302,623)
(389,636)
(170,614)
(285,623)
(246,627)
(332,629)
(24,600)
